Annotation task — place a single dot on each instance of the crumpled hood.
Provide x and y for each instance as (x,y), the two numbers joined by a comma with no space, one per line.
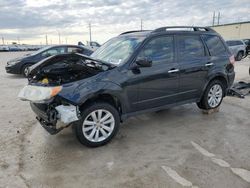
(64,68)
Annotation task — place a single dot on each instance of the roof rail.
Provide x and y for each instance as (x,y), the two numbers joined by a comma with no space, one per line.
(135,31)
(194,28)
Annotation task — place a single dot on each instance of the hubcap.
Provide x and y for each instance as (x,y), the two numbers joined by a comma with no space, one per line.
(26,71)
(215,95)
(98,125)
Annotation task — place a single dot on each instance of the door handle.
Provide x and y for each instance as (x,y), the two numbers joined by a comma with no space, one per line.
(173,70)
(209,64)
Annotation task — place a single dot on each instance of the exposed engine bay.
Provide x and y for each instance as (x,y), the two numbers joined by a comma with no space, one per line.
(64,68)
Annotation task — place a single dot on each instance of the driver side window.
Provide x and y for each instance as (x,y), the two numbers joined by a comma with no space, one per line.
(53,51)
(159,50)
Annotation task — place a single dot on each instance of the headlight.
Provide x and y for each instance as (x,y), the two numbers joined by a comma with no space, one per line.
(12,62)
(38,93)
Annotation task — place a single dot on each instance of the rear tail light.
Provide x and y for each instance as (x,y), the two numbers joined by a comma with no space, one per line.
(232,60)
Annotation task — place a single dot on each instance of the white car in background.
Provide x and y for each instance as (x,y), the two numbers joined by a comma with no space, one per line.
(238,48)
(4,48)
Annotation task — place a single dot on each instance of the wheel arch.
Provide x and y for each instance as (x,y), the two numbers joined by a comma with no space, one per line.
(104,97)
(219,77)
(23,65)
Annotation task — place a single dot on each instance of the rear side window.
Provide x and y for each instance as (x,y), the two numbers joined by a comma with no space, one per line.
(190,47)
(159,50)
(215,45)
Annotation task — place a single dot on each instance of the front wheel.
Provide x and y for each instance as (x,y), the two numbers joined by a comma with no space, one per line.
(212,96)
(25,70)
(98,125)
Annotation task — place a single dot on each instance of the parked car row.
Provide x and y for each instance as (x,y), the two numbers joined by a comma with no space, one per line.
(16,47)
(133,73)
(239,48)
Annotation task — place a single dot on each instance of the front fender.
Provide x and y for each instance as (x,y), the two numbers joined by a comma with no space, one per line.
(78,93)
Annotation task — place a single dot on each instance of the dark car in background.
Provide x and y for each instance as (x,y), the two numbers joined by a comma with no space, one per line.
(133,73)
(21,65)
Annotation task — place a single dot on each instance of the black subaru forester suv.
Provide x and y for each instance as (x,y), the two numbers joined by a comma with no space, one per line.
(133,73)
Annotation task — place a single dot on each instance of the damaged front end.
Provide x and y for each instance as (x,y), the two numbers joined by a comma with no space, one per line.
(51,82)
(54,117)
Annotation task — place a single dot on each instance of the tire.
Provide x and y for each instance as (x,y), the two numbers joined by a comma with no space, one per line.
(239,56)
(213,95)
(93,136)
(24,70)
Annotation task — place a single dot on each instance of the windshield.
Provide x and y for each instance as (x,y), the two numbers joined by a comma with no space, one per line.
(117,50)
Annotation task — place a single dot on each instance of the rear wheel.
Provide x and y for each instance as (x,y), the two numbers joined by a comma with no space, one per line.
(239,56)
(99,124)
(213,95)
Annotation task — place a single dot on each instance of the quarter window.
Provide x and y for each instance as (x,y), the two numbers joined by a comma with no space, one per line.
(159,50)
(215,45)
(190,47)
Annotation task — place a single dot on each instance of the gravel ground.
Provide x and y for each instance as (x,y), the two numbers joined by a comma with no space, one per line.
(173,148)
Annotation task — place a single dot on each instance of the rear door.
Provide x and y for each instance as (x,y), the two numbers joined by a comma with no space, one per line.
(194,64)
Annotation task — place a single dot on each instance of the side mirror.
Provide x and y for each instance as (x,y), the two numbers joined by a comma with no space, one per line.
(144,62)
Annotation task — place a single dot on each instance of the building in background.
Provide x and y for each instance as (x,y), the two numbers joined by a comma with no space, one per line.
(240,30)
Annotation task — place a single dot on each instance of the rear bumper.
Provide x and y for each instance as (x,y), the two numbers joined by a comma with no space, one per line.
(230,77)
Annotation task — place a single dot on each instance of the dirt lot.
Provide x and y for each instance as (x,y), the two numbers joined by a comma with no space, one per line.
(173,148)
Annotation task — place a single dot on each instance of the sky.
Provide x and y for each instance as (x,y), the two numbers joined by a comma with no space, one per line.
(29,21)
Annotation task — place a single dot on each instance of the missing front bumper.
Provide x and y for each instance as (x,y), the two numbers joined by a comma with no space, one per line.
(49,127)
(55,119)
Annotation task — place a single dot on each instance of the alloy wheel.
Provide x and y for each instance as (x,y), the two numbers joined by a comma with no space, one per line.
(98,125)
(215,95)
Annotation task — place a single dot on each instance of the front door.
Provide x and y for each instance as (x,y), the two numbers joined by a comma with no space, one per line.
(157,85)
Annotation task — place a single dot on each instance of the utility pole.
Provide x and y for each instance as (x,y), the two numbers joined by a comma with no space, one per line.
(141,24)
(46,38)
(213,18)
(18,39)
(218,21)
(90,39)
(3,40)
(59,37)
(216,17)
